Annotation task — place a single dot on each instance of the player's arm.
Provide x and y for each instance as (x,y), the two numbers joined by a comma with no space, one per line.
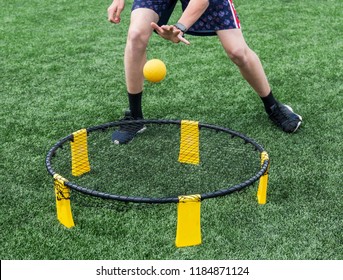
(191,14)
(114,10)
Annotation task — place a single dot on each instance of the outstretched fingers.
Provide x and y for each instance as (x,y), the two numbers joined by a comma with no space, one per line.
(183,39)
(157,28)
(169,32)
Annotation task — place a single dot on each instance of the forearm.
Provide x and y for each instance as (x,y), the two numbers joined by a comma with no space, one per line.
(193,12)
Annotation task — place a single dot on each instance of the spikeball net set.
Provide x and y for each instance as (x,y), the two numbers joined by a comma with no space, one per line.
(174,161)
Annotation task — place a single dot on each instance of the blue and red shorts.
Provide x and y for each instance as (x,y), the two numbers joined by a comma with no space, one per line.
(219,15)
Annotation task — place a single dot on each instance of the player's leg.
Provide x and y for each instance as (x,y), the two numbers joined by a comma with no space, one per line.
(135,51)
(247,61)
(140,31)
(134,59)
(251,69)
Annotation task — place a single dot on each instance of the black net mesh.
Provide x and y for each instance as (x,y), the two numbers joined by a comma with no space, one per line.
(149,167)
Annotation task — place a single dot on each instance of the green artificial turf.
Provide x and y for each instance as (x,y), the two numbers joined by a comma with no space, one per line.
(62,70)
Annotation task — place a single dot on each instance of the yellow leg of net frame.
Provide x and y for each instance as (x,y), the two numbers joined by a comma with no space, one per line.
(263,183)
(188,232)
(63,208)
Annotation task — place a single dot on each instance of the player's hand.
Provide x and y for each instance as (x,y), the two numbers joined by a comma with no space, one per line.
(170,32)
(115,10)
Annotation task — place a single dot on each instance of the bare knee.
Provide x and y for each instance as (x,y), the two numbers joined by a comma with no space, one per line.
(137,38)
(239,55)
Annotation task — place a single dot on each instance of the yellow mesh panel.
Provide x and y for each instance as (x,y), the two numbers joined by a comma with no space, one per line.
(189,143)
(79,153)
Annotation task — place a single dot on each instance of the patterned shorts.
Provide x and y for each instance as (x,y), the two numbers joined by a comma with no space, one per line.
(220,15)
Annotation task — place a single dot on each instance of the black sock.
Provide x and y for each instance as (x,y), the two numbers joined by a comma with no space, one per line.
(135,102)
(268,102)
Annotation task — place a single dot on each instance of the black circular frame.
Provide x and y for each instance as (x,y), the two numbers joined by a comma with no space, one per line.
(222,192)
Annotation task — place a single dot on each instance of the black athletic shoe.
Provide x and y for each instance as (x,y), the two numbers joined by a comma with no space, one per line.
(127,132)
(284,117)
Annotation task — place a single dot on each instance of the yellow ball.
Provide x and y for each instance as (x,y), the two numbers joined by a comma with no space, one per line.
(154,70)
